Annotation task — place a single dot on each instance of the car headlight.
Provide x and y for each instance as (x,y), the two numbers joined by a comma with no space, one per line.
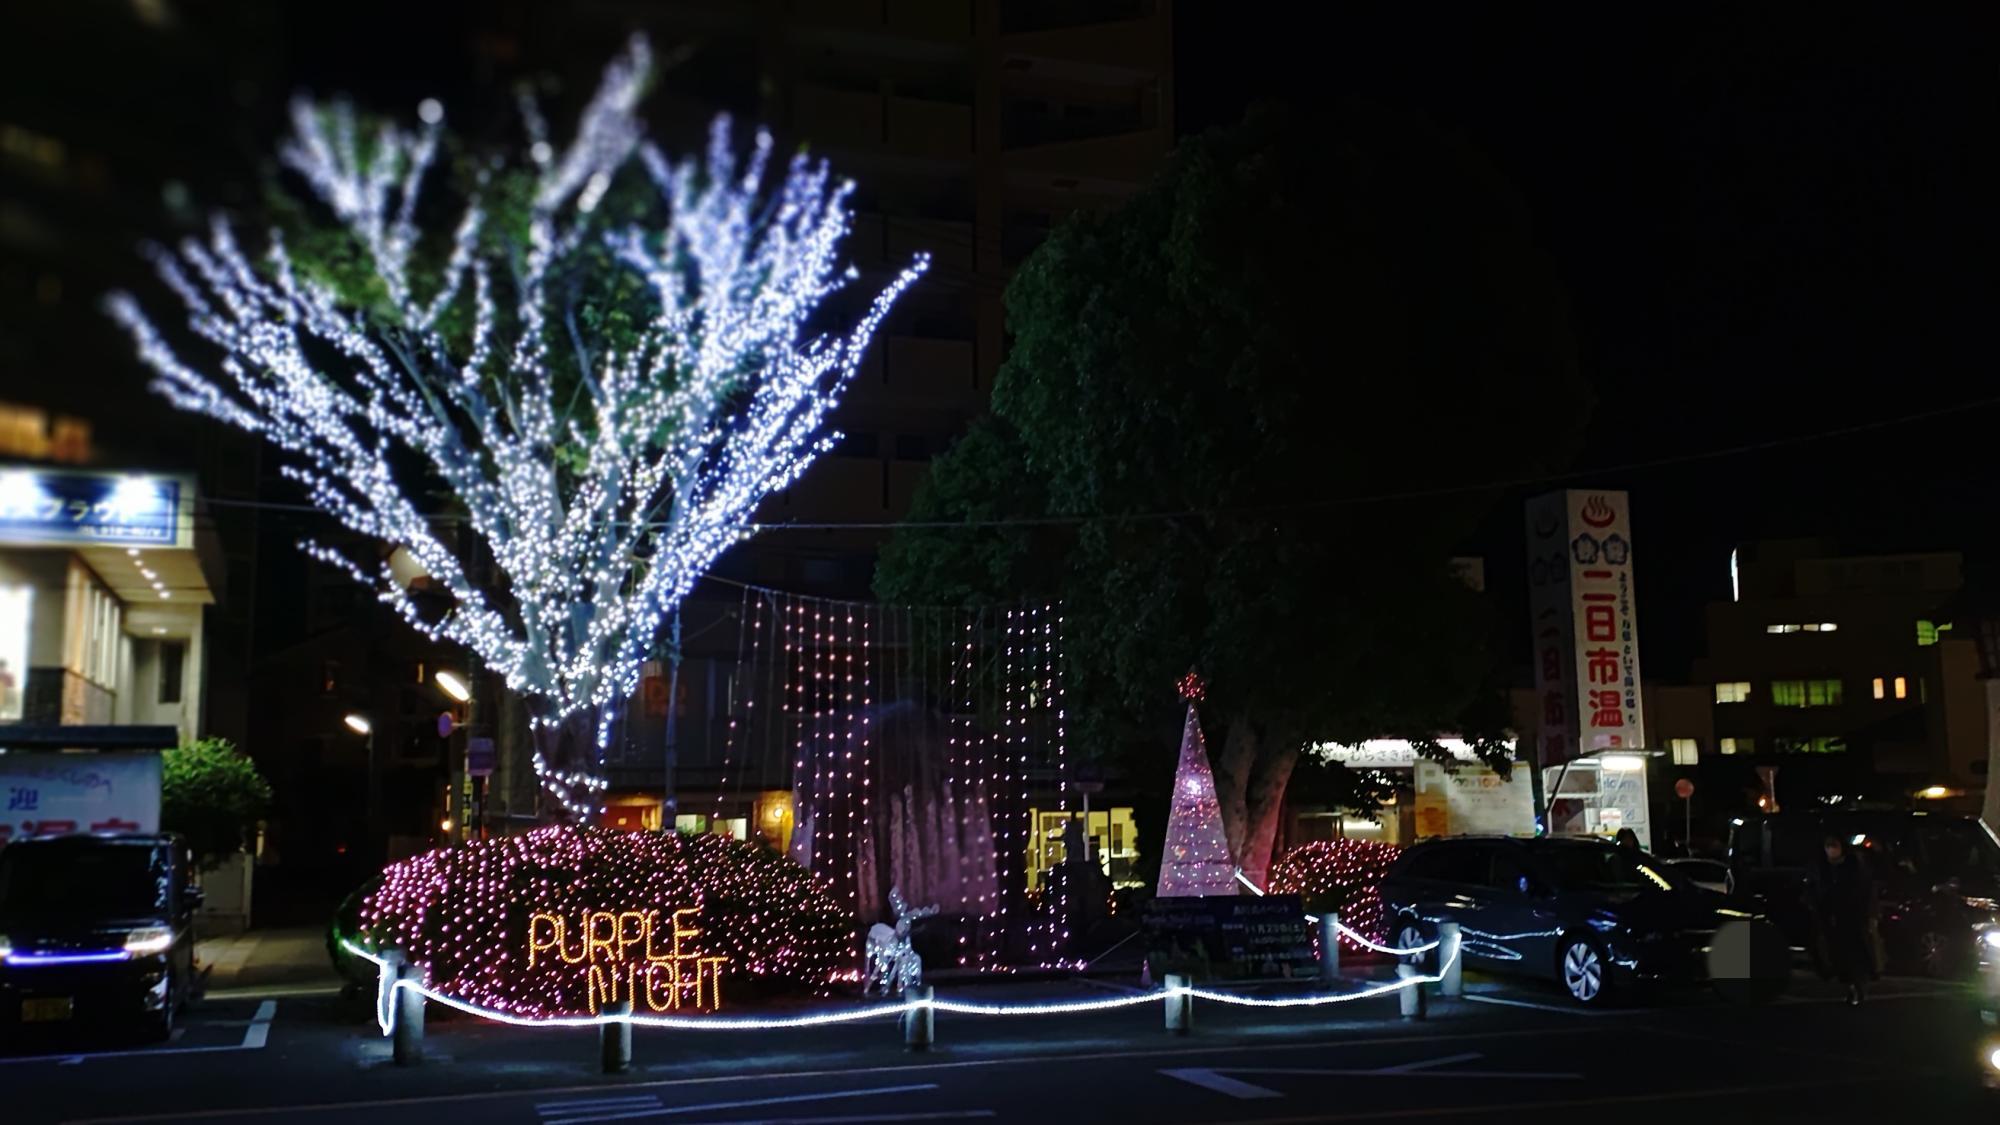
(148,939)
(1990,937)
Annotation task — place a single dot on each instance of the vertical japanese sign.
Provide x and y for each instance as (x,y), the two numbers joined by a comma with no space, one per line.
(1585,623)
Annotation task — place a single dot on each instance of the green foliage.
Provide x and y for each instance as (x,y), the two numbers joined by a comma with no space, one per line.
(1261,398)
(211,793)
(597,307)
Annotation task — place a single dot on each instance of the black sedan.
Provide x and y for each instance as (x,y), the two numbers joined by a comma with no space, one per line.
(1582,912)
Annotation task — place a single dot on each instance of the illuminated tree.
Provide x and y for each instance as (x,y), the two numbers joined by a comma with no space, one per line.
(603,463)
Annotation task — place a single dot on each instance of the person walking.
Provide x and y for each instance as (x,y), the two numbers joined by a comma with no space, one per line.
(1841,896)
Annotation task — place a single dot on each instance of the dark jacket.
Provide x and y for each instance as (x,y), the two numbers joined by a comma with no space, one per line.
(1843,894)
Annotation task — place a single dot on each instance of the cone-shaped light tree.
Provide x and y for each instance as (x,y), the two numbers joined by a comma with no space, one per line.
(1196,859)
(602,472)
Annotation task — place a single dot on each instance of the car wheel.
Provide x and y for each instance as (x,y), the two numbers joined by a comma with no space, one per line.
(1935,956)
(1585,972)
(1410,934)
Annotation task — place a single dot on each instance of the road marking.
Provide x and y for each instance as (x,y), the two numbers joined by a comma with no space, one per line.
(461,1099)
(1467,1112)
(254,1037)
(259,992)
(1214,1080)
(940,1115)
(1426,1064)
(546,1108)
(1556,1008)
(259,1031)
(782,1099)
(937,1115)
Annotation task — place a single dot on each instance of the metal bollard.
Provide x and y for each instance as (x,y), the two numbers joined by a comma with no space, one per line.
(1180,1006)
(1449,940)
(1329,947)
(1410,995)
(614,1037)
(408,1003)
(920,1021)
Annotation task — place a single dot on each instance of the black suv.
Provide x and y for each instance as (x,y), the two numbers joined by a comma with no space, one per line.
(1582,912)
(1937,878)
(96,928)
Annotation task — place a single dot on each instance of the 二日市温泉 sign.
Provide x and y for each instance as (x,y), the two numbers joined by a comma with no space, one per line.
(1584,623)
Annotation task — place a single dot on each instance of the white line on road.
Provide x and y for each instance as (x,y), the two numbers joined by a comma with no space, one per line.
(940,1115)
(254,1037)
(1556,1008)
(1209,1079)
(547,1109)
(460,1100)
(745,1104)
(259,992)
(1426,1064)
(259,1031)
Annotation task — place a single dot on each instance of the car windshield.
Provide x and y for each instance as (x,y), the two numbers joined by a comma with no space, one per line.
(82,884)
(1589,867)
(1958,849)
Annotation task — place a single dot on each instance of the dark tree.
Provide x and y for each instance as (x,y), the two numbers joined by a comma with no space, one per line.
(1249,416)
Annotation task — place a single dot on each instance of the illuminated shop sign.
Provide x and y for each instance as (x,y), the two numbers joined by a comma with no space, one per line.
(56,506)
(632,955)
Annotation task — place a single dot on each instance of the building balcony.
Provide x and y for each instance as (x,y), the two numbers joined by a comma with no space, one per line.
(826,117)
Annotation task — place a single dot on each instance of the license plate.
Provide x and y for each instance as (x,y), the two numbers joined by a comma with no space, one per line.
(46,1009)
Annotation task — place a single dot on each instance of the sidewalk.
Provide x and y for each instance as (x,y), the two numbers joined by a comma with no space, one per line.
(278,959)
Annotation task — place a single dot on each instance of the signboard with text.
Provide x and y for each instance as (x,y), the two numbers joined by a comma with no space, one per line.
(1233,935)
(61,506)
(1584,624)
(1471,800)
(48,794)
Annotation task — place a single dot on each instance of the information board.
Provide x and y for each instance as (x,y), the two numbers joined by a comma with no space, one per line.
(1234,935)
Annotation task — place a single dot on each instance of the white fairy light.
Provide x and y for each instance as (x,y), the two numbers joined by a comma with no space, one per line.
(722,400)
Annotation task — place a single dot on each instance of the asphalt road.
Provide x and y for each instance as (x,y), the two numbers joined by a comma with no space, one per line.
(1508,1052)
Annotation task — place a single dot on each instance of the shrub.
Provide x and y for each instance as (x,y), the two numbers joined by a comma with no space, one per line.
(212,794)
(564,919)
(1343,875)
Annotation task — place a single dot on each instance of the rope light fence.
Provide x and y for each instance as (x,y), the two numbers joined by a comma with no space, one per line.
(394,979)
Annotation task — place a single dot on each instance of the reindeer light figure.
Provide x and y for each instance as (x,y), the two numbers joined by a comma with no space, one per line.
(892,964)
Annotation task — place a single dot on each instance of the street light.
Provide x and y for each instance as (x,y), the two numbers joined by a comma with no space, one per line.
(451,685)
(359,724)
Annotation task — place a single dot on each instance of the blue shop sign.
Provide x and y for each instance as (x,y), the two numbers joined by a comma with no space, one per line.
(130,509)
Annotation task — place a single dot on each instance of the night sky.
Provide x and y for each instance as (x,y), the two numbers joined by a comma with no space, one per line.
(1774,222)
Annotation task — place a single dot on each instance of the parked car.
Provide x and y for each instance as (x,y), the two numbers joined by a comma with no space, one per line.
(1937,878)
(1584,913)
(1708,874)
(97,929)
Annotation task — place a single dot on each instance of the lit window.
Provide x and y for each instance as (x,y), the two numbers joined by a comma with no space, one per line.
(1826,626)
(1735,692)
(1781,628)
(1686,751)
(1736,745)
(1927,632)
(1805,693)
(1902,688)
(1878,687)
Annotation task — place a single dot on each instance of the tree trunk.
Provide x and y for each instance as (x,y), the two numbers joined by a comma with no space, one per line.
(569,747)
(1251,775)
(1266,802)
(1232,770)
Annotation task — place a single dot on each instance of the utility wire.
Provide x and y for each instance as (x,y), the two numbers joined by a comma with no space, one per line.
(1667,461)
